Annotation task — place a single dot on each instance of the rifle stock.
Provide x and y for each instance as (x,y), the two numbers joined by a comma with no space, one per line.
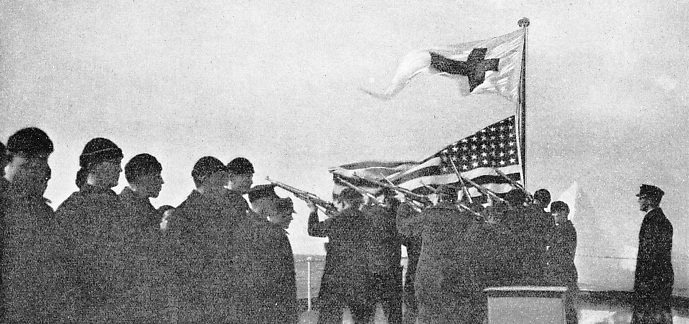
(327,206)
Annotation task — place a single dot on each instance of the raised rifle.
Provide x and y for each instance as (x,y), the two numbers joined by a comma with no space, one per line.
(514,184)
(478,215)
(465,190)
(326,206)
(429,187)
(419,200)
(459,204)
(362,191)
(484,190)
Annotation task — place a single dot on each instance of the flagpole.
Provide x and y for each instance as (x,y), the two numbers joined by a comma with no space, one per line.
(521,104)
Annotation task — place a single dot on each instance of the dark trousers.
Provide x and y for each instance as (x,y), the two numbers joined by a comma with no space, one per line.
(333,298)
(331,311)
(652,308)
(571,316)
(387,290)
(413,253)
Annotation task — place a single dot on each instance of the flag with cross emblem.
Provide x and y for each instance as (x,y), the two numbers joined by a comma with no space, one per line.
(486,66)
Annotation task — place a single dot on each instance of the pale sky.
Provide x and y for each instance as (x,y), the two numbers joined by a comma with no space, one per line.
(277,82)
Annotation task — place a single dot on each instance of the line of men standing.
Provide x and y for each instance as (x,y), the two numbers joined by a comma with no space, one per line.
(103,257)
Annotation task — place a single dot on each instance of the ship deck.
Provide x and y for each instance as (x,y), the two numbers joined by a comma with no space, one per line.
(593,307)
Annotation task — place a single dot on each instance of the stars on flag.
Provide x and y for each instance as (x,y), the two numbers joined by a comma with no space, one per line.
(494,147)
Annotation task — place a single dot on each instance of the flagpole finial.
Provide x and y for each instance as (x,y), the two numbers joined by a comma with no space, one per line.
(524,22)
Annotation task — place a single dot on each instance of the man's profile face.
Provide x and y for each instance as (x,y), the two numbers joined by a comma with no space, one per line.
(559,217)
(28,172)
(150,185)
(282,218)
(538,203)
(644,204)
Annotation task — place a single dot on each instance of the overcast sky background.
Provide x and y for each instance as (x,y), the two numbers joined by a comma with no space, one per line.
(276,82)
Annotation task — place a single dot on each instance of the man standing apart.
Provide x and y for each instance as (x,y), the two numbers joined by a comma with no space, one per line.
(654,276)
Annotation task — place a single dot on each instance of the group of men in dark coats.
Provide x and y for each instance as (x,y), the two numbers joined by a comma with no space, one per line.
(462,252)
(104,258)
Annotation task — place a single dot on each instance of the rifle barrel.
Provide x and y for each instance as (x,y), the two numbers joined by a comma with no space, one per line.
(484,190)
(514,183)
(305,195)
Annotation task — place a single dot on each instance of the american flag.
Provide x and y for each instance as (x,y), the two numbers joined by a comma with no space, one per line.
(476,157)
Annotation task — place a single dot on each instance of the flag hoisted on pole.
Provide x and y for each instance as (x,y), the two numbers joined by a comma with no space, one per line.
(496,65)
(476,158)
(521,102)
(487,66)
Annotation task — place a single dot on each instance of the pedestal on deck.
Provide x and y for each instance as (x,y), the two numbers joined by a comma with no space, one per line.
(526,305)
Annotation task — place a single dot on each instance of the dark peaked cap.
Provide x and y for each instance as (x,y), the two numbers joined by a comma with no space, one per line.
(650,191)
(286,204)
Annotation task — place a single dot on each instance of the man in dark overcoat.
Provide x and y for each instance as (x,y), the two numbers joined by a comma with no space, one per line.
(265,263)
(446,284)
(31,269)
(654,276)
(412,241)
(147,296)
(345,281)
(560,269)
(385,252)
(203,230)
(94,239)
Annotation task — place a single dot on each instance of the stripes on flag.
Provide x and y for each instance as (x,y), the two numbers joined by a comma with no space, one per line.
(354,172)
(476,157)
